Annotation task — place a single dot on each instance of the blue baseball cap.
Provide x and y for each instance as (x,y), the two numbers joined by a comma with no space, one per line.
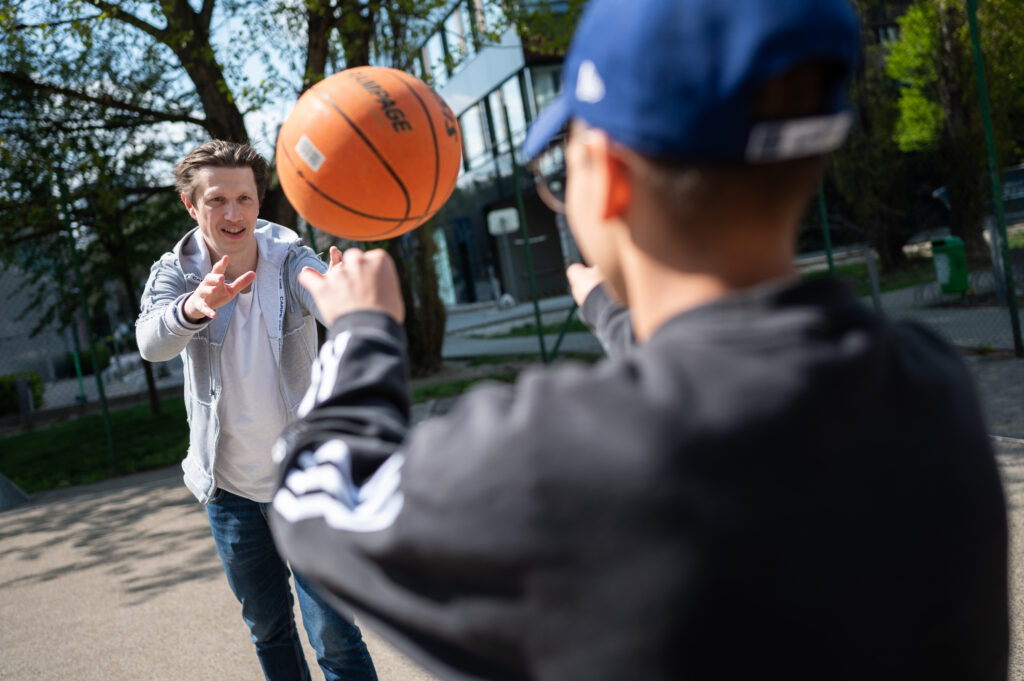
(679,78)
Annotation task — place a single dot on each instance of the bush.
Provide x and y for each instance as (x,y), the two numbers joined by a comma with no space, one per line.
(85,358)
(9,391)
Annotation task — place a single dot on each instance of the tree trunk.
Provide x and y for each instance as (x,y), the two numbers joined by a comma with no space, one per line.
(189,38)
(961,149)
(424,312)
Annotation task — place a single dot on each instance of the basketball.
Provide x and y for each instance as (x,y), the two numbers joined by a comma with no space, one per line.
(369,153)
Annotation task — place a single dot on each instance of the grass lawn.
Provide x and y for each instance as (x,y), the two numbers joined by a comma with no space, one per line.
(921,271)
(75,453)
(575,326)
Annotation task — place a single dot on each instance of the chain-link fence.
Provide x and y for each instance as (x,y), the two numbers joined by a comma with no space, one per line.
(963,297)
(48,373)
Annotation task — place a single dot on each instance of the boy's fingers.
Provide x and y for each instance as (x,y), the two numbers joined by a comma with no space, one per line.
(311,280)
(335,256)
(353,256)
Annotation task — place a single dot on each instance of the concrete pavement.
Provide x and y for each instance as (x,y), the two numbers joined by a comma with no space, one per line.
(120,581)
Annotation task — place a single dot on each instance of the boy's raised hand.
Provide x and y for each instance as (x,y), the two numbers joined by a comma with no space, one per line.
(357,280)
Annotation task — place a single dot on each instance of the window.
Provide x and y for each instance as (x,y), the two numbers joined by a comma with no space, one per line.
(474,136)
(469,30)
(508,99)
(433,56)
(546,83)
(490,13)
(459,37)
(494,100)
(513,98)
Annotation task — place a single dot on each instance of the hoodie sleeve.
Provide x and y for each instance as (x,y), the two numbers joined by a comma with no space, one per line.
(300,258)
(610,322)
(161,330)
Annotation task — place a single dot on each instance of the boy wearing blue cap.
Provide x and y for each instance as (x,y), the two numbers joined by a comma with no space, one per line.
(764,479)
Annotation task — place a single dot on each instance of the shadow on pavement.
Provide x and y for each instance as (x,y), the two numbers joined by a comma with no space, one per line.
(147,537)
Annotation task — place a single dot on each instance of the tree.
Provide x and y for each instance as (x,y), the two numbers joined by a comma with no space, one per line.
(887,190)
(61,164)
(939,107)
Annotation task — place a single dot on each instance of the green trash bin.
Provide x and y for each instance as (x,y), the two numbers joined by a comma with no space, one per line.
(950,264)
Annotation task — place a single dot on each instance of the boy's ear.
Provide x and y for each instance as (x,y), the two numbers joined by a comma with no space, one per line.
(619,187)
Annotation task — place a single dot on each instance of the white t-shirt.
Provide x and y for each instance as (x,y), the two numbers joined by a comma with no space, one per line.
(251,410)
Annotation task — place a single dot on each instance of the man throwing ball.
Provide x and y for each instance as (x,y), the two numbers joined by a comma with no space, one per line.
(763,480)
(227,301)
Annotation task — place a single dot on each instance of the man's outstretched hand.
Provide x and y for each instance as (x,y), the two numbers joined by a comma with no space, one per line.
(354,281)
(214,292)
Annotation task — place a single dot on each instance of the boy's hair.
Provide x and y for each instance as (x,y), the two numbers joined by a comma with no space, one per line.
(219,154)
(685,190)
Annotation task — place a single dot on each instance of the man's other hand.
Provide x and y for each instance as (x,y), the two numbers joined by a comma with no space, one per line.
(354,281)
(214,292)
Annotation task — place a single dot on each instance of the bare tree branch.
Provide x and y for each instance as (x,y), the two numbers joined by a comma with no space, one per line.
(26,83)
(116,12)
(52,24)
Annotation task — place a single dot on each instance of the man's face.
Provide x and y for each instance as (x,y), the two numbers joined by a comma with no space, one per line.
(225,206)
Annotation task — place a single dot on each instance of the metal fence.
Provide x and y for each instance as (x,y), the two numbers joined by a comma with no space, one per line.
(965,300)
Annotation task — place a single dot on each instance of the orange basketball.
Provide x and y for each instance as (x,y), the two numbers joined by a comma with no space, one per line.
(369,153)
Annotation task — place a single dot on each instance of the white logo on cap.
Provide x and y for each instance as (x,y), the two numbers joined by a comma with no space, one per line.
(589,86)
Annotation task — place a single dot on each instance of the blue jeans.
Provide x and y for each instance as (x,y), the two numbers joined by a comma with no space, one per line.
(259,579)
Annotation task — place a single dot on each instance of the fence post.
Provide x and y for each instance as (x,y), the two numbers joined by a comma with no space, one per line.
(526,236)
(824,228)
(993,167)
(876,295)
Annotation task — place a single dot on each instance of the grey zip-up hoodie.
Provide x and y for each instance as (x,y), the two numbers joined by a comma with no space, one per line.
(163,332)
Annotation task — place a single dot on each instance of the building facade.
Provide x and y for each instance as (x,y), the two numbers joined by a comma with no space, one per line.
(496,88)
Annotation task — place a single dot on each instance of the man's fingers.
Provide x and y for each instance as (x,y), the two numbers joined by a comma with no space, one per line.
(240,283)
(220,267)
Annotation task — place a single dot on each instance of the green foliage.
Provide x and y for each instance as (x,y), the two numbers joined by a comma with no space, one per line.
(546,27)
(9,391)
(912,64)
(920,122)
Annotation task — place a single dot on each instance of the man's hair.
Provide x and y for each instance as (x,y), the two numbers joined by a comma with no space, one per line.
(219,154)
(688,190)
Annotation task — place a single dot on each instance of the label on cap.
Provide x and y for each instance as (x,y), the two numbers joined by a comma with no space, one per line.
(797,138)
(308,152)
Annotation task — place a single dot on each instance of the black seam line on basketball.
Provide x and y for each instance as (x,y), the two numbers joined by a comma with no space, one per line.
(368,216)
(433,135)
(387,166)
(339,204)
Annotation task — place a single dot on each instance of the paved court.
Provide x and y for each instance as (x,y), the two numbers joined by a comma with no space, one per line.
(120,581)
